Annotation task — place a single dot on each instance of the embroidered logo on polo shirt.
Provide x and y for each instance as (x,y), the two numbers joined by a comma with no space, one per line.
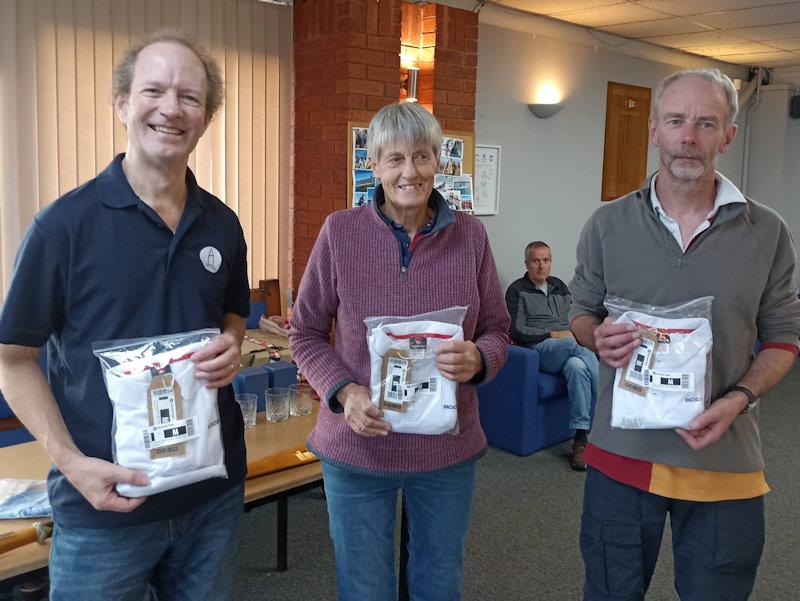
(211,258)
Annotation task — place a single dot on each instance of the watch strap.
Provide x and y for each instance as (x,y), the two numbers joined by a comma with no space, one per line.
(752,399)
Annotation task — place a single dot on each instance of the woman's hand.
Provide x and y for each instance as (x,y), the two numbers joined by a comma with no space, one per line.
(458,360)
(364,418)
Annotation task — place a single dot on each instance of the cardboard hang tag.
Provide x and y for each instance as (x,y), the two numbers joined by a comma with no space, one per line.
(395,376)
(635,376)
(165,416)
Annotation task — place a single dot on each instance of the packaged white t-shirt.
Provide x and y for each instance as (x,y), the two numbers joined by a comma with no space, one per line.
(405,382)
(166,422)
(664,384)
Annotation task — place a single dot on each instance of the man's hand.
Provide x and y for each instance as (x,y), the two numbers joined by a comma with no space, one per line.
(219,361)
(615,343)
(560,334)
(364,418)
(96,480)
(709,426)
(458,360)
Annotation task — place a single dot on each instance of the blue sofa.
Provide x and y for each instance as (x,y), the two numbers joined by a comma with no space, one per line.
(523,410)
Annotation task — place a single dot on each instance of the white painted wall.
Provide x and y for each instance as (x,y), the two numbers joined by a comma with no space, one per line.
(773,174)
(551,170)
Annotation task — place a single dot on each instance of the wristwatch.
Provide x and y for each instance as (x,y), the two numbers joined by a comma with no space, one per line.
(752,399)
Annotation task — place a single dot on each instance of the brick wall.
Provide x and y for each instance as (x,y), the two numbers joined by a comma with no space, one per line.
(346,67)
(456,66)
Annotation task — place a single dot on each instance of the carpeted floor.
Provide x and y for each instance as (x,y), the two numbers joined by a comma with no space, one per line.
(523,539)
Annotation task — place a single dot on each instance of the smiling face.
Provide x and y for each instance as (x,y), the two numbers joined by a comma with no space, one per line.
(165,112)
(690,129)
(406,173)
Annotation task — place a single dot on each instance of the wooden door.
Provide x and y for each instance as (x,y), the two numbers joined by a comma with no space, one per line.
(625,152)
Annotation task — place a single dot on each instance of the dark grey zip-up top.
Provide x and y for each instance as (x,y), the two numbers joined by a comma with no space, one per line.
(745,260)
(535,314)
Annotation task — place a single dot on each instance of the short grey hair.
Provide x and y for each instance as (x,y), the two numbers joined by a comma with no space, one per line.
(123,73)
(406,122)
(536,244)
(712,76)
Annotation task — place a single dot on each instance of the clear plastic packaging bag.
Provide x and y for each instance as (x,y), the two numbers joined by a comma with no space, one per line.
(667,382)
(404,380)
(166,422)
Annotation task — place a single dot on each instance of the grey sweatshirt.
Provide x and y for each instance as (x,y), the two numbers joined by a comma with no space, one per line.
(745,260)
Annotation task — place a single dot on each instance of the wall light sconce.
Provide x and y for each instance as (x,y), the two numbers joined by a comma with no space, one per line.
(543,111)
(410,84)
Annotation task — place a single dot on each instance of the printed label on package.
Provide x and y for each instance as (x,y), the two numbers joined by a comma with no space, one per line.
(162,401)
(164,435)
(412,390)
(633,375)
(669,381)
(417,346)
(395,390)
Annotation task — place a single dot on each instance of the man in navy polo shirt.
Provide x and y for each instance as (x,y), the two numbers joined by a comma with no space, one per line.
(139,251)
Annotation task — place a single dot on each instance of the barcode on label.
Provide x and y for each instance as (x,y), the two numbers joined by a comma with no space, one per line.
(395,380)
(394,390)
(635,375)
(683,382)
(163,435)
(434,383)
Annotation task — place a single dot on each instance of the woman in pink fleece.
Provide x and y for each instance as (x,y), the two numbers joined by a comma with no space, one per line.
(404,254)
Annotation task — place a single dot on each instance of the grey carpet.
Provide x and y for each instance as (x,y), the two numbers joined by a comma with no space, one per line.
(523,539)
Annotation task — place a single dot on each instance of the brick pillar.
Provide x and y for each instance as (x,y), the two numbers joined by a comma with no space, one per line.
(448,61)
(346,67)
(455,65)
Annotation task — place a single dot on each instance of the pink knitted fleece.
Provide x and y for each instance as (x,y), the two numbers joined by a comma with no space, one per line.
(354,272)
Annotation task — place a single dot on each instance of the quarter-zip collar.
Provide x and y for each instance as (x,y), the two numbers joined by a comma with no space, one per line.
(723,212)
(442,217)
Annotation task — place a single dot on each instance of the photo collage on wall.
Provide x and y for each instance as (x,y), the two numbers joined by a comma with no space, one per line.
(450,181)
(364,179)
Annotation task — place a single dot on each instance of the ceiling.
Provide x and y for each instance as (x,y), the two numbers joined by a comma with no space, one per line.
(763,33)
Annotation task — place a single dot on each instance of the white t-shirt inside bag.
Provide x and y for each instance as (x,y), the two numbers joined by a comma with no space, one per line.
(664,385)
(166,422)
(404,380)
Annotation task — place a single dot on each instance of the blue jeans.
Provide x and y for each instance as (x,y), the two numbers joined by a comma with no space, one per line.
(362,511)
(580,368)
(189,557)
(716,545)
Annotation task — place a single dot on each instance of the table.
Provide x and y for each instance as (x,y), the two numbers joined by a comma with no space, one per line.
(29,461)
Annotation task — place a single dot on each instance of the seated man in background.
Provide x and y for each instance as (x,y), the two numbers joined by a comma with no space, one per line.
(539,308)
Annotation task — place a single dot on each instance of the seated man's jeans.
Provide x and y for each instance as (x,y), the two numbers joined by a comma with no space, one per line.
(191,557)
(716,545)
(580,368)
(362,510)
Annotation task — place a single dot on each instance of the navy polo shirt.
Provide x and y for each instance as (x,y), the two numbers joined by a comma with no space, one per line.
(100,264)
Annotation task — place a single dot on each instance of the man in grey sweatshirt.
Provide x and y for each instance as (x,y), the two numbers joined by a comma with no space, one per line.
(687,233)
(538,304)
